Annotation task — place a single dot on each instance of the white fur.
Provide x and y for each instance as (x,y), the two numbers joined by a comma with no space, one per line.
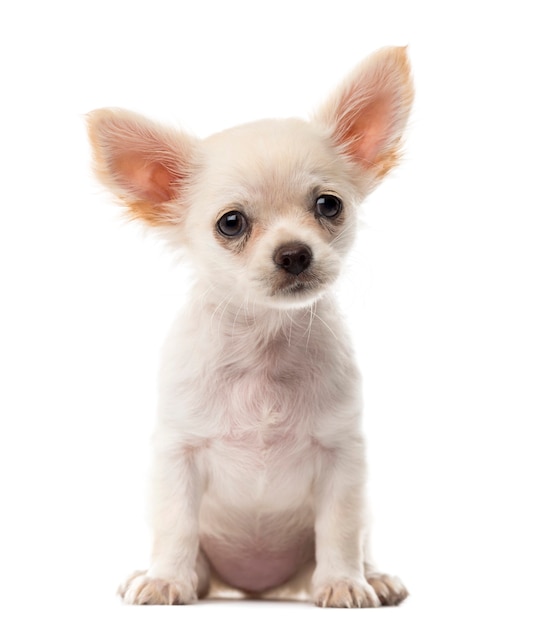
(258,455)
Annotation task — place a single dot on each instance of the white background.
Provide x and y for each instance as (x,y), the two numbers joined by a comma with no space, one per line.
(442,293)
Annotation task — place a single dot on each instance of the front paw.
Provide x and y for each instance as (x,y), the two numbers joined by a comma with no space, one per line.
(143,589)
(346,594)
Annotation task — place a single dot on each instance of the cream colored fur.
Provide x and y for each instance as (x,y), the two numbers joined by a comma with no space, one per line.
(258,479)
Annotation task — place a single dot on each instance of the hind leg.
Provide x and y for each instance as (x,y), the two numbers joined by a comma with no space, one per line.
(389,589)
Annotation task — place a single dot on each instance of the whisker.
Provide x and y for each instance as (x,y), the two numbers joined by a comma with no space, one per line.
(224,309)
(311,321)
(290,329)
(326,325)
(218,307)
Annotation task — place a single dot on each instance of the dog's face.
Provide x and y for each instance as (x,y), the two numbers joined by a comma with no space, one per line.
(266,211)
(275,206)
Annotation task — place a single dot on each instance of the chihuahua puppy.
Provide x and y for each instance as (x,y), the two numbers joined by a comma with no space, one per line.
(259,470)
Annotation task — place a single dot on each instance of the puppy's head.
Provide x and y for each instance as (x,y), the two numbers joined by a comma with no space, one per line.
(265,211)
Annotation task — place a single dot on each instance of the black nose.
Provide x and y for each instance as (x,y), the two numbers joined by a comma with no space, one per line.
(293,258)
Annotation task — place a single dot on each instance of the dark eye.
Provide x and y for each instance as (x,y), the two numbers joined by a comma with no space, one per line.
(328,206)
(232,224)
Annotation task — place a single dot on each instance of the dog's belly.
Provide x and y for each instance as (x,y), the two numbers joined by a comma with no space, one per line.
(257,515)
(258,567)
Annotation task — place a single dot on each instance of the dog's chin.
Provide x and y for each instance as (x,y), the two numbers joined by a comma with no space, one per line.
(281,290)
(297,294)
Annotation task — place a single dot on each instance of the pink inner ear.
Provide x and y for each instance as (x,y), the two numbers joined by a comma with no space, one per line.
(149,180)
(368,134)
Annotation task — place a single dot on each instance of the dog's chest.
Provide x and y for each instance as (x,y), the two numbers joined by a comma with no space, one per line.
(262,410)
(266,406)
(258,401)
(268,394)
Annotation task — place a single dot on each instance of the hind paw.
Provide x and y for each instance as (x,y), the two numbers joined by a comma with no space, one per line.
(389,589)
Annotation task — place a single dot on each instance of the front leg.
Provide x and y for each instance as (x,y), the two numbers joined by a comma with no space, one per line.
(339,579)
(178,572)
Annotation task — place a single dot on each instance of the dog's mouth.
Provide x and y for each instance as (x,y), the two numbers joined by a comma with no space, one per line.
(299,287)
(306,284)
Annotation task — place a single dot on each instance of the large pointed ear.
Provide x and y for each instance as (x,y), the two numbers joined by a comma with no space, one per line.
(146,165)
(367,115)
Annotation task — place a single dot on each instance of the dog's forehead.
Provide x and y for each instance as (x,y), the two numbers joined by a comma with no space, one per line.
(277,157)
(266,139)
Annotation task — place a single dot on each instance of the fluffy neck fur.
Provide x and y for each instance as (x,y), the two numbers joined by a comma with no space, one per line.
(229,320)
